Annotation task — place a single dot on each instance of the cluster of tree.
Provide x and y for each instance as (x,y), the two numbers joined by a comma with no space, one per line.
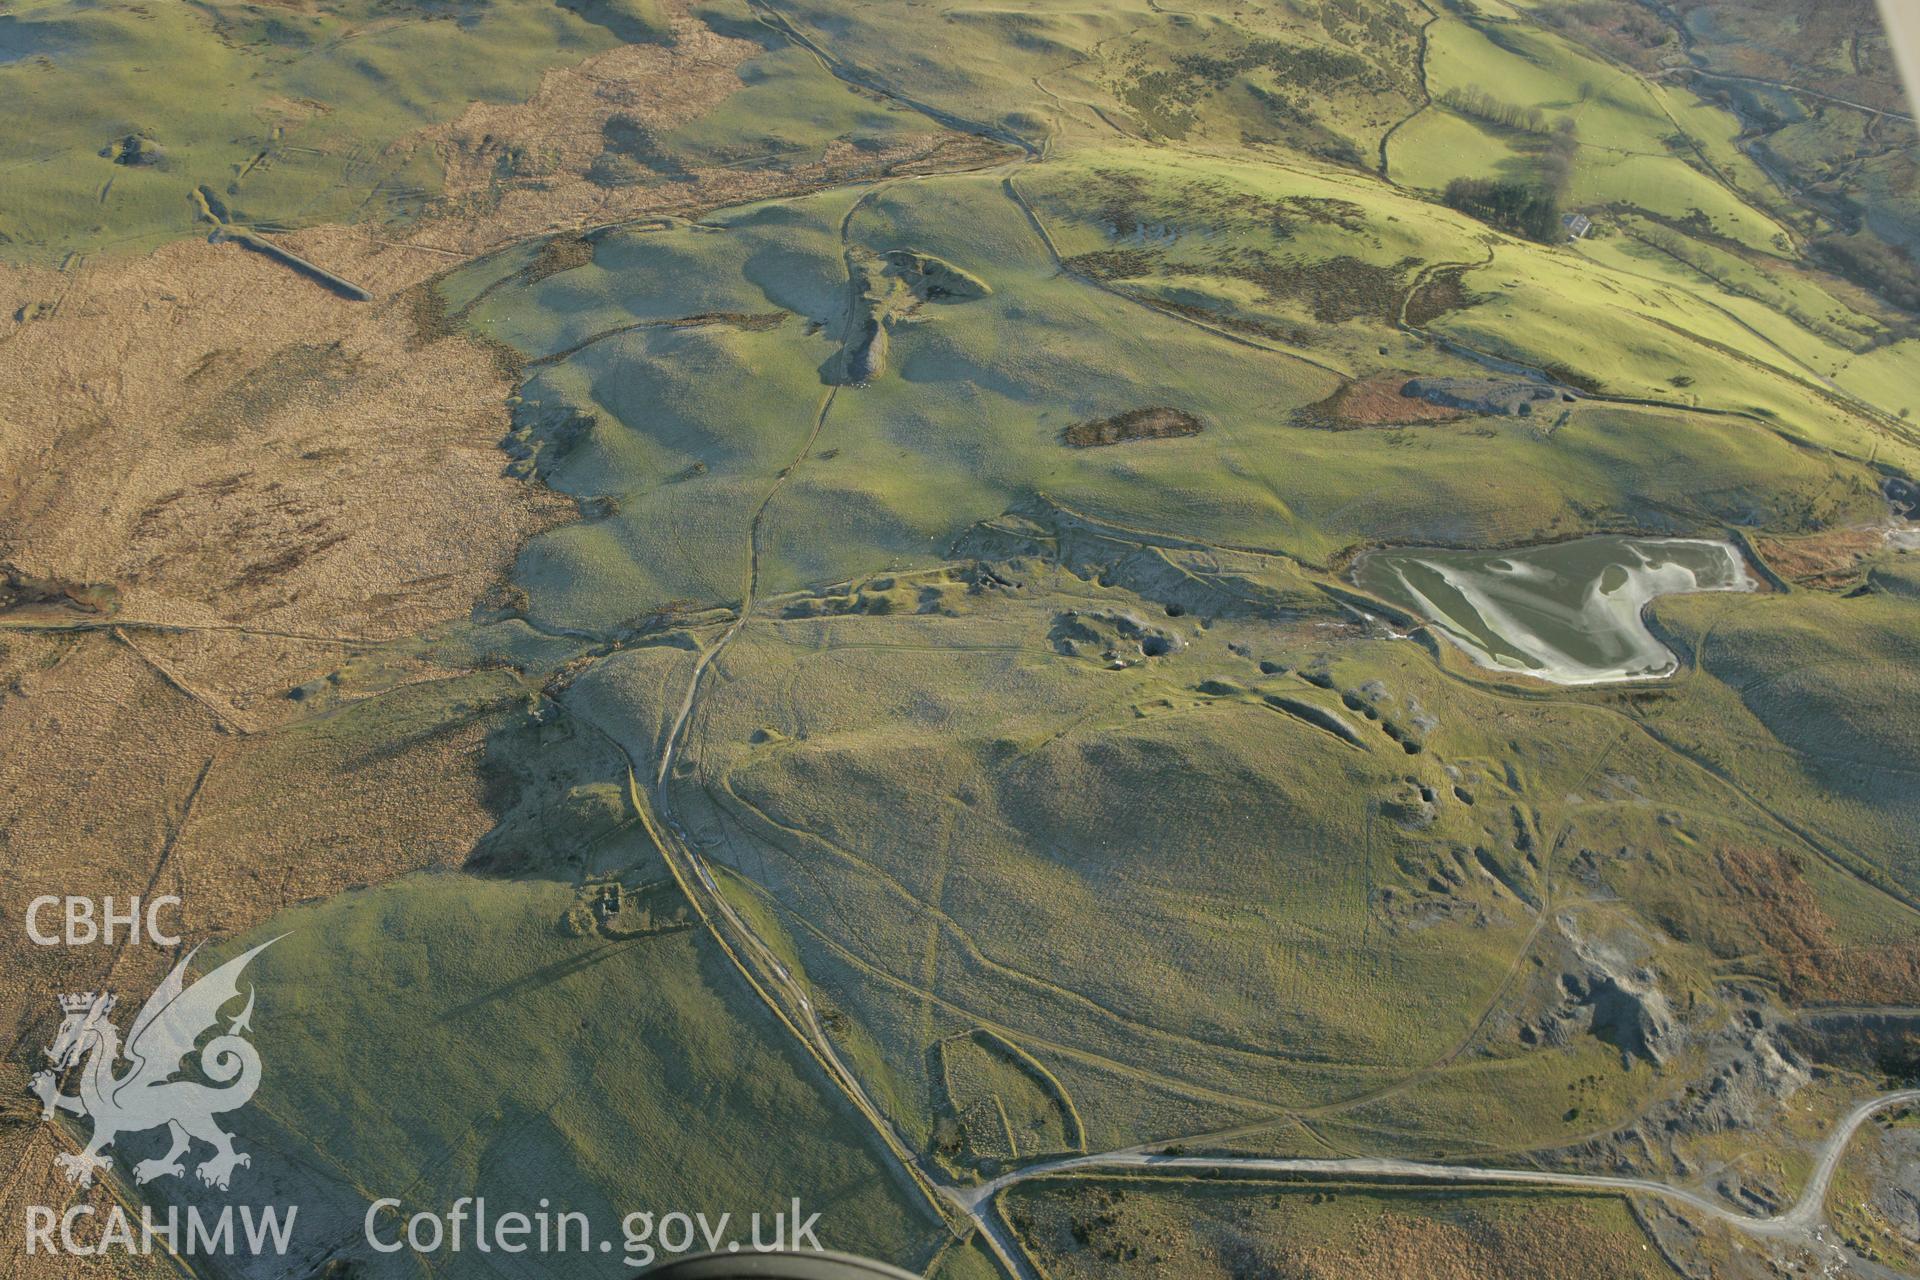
(1522,207)
(1484,106)
(1529,208)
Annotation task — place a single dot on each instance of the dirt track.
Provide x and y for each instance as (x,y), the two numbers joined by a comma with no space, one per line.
(1805,1214)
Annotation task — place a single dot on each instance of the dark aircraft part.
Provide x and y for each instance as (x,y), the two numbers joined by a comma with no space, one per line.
(776,1266)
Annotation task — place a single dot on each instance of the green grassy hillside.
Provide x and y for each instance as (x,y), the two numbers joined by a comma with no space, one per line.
(524,1064)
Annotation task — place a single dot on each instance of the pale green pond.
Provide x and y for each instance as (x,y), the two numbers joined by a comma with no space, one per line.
(1569,612)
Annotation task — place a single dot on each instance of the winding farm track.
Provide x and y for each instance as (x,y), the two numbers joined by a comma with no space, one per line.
(1800,1219)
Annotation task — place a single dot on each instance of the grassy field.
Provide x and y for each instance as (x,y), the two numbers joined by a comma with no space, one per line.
(1322,263)
(679,372)
(605,1076)
(1640,143)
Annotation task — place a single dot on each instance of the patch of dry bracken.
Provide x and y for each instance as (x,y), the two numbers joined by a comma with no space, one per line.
(1829,560)
(222,441)
(1377,401)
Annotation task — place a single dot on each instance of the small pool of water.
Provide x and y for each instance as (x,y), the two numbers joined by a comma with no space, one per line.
(1568,612)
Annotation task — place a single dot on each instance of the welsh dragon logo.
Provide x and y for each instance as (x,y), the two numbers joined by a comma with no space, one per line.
(146,1095)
